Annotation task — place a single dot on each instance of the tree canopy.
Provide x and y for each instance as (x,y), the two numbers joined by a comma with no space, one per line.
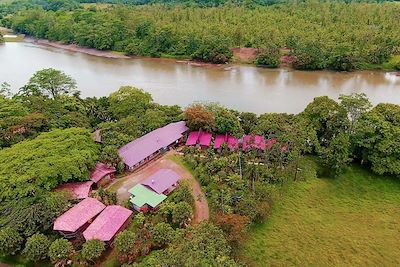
(50,82)
(42,163)
(350,35)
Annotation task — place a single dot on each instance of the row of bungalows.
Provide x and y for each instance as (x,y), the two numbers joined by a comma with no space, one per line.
(204,139)
(150,193)
(145,148)
(101,175)
(93,220)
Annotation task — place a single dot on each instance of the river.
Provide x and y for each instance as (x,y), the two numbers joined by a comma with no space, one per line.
(242,87)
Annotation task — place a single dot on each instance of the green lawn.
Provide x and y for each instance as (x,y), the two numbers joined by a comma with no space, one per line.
(353,220)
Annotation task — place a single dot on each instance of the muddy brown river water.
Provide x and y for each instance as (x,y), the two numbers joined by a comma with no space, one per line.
(241,87)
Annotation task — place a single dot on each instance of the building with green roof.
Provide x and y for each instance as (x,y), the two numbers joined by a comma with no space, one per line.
(144,199)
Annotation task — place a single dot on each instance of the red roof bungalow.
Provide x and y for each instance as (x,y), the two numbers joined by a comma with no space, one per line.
(150,145)
(199,137)
(110,222)
(102,174)
(79,190)
(228,139)
(253,141)
(164,181)
(78,217)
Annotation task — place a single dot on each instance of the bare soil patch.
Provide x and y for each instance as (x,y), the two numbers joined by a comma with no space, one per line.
(245,54)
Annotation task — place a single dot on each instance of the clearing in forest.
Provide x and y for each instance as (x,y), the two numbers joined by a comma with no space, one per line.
(351,220)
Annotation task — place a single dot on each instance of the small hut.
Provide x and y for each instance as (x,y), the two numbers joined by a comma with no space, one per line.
(102,174)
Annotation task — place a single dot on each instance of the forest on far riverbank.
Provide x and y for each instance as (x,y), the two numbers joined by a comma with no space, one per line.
(307,35)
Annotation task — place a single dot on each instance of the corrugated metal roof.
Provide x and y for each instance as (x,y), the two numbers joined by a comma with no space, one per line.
(101,171)
(107,224)
(143,195)
(161,180)
(78,215)
(139,149)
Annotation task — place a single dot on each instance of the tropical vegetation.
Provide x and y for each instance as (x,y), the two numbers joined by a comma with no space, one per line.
(314,35)
(46,140)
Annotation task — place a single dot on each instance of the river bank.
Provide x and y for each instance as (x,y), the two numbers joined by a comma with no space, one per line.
(76,48)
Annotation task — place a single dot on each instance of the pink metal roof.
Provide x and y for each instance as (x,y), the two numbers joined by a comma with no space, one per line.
(78,215)
(161,180)
(255,141)
(77,190)
(192,138)
(271,142)
(101,171)
(205,139)
(233,142)
(219,140)
(226,138)
(139,149)
(108,223)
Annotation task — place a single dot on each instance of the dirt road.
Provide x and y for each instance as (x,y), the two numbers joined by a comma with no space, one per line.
(122,185)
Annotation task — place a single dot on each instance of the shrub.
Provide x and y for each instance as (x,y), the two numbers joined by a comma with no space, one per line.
(162,234)
(10,241)
(125,244)
(92,250)
(234,226)
(36,247)
(60,250)
(269,57)
(181,213)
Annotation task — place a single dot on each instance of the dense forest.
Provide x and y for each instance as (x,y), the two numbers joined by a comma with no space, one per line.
(311,35)
(45,141)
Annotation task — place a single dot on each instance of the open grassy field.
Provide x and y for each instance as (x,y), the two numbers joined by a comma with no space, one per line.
(353,220)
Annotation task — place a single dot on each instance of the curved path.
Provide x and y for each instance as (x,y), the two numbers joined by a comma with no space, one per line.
(122,185)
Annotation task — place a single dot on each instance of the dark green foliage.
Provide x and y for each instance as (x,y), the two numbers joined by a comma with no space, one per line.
(32,214)
(269,57)
(46,161)
(346,37)
(181,214)
(36,247)
(92,250)
(200,245)
(342,58)
(107,197)
(10,241)
(129,101)
(377,137)
(49,82)
(125,244)
(182,194)
(337,154)
(247,121)
(309,56)
(60,250)
(163,234)
(214,50)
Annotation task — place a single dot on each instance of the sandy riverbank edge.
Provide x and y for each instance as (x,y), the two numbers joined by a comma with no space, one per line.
(76,48)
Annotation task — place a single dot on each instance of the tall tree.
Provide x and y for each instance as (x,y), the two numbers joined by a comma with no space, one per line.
(51,82)
(128,101)
(356,105)
(198,117)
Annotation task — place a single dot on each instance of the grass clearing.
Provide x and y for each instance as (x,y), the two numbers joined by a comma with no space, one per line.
(353,220)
